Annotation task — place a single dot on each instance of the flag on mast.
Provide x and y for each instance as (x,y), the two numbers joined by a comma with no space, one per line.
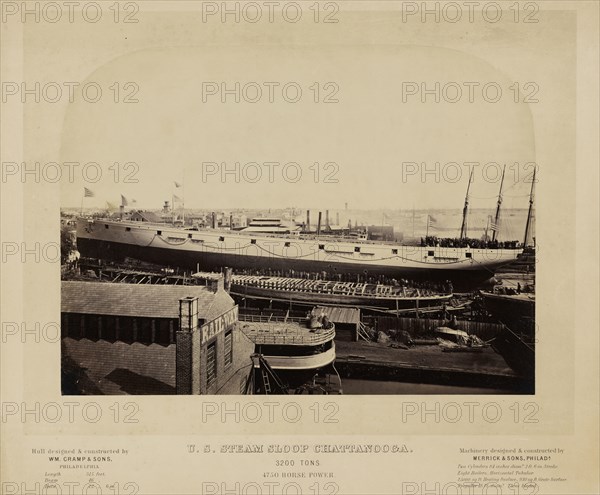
(88,193)
(177,198)
(430,223)
(124,201)
(177,184)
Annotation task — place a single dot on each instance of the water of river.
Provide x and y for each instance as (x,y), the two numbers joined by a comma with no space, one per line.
(353,386)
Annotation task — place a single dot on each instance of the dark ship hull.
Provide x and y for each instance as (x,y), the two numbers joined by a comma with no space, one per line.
(212,261)
(517,312)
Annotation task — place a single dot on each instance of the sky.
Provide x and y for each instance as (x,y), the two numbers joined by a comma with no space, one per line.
(362,130)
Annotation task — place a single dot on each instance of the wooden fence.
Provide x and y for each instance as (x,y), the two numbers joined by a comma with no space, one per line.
(418,327)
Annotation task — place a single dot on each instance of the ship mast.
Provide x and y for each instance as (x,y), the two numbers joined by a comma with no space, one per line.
(182,199)
(173,208)
(497,219)
(463,227)
(530,212)
(487,227)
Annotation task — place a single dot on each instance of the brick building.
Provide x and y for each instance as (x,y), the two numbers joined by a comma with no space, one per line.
(151,339)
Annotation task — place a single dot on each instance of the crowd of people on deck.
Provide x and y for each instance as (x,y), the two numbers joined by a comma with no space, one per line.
(434,241)
(511,291)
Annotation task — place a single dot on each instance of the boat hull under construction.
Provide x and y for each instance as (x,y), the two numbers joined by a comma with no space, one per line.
(322,292)
(516,311)
(214,249)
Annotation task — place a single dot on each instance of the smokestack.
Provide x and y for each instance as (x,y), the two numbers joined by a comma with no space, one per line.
(214,220)
(308,220)
(319,224)
(337,218)
(326,219)
(230,222)
(121,211)
(187,352)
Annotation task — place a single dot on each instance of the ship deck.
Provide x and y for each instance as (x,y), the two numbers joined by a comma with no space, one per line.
(291,235)
(285,331)
(524,297)
(331,287)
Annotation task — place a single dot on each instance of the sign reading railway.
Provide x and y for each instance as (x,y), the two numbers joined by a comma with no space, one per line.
(218,325)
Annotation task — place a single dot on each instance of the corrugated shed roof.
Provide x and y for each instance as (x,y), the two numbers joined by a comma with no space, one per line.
(339,314)
(152,301)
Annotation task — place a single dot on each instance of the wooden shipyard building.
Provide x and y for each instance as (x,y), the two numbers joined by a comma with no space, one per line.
(120,338)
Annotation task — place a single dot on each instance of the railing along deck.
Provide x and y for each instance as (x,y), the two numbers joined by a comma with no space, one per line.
(291,236)
(272,332)
(271,318)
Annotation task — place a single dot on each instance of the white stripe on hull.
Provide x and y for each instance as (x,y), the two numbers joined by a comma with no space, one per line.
(298,363)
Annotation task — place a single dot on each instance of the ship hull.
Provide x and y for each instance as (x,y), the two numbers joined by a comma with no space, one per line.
(302,364)
(516,312)
(292,379)
(311,299)
(215,261)
(213,250)
(296,371)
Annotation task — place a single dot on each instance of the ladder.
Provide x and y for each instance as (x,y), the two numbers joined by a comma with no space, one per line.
(362,332)
(266,382)
(268,375)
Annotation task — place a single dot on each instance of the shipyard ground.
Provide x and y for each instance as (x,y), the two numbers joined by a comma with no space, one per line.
(429,364)
(359,360)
